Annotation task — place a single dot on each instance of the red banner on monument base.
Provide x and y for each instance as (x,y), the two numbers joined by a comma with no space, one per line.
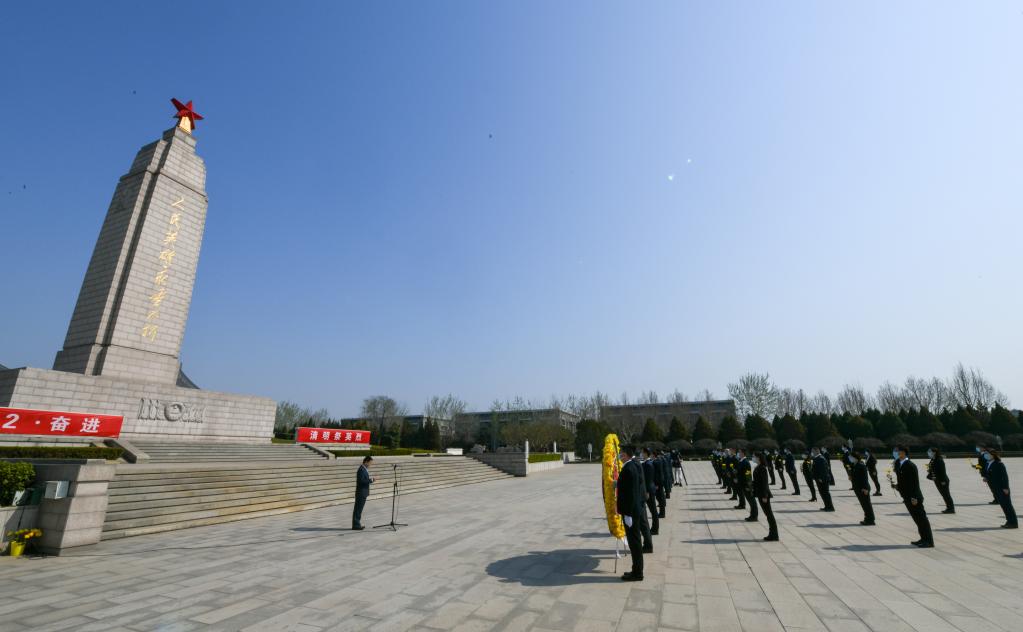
(330,435)
(18,421)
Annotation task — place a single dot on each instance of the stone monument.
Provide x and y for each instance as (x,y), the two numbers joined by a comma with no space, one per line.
(121,352)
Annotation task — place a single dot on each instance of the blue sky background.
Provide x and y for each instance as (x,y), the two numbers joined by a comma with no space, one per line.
(419,198)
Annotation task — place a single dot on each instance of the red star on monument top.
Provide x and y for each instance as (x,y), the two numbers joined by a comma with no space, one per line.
(186,115)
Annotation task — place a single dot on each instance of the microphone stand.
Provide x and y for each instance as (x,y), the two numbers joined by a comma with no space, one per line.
(392,525)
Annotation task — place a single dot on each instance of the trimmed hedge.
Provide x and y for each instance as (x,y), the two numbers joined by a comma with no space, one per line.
(543,458)
(14,477)
(52,452)
(380,451)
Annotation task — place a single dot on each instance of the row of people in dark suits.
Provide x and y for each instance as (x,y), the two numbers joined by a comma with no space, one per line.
(644,484)
(732,469)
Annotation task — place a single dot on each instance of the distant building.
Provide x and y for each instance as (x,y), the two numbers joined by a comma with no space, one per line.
(687,412)
(417,421)
(563,418)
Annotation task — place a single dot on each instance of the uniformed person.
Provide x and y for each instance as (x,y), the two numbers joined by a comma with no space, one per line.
(827,461)
(660,482)
(861,485)
(779,464)
(665,462)
(630,507)
(822,476)
(730,462)
(909,488)
(999,478)
(872,470)
(937,473)
(807,469)
(770,466)
(790,469)
(762,492)
(742,480)
(982,466)
(650,489)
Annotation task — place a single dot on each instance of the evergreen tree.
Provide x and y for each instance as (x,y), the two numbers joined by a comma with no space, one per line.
(758,428)
(963,422)
(1003,422)
(923,423)
(433,438)
(790,429)
(677,431)
(652,432)
(591,432)
(858,427)
(890,425)
(818,427)
(730,429)
(703,430)
(872,415)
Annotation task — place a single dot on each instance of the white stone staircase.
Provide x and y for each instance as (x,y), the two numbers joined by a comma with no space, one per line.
(199,452)
(163,496)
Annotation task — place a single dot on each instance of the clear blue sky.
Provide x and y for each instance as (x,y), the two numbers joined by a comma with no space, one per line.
(419,198)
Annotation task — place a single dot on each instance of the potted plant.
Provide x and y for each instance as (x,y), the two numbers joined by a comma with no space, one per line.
(18,540)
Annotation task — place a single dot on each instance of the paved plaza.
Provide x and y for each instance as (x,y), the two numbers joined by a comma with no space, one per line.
(534,554)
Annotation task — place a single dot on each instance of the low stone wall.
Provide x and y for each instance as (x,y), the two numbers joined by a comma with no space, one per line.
(78,518)
(14,518)
(513,463)
(543,466)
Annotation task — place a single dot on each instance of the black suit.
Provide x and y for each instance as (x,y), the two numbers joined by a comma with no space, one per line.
(909,488)
(937,473)
(790,469)
(630,503)
(762,492)
(666,474)
(861,484)
(362,482)
(649,479)
(807,468)
(821,476)
(872,470)
(998,476)
(742,469)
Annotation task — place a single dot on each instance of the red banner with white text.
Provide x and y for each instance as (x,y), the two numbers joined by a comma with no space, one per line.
(19,421)
(330,435)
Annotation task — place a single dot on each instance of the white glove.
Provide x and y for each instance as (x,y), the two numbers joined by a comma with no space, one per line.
(627,520)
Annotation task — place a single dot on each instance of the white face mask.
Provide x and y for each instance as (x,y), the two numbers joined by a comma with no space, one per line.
(987,456)
(755,461)
(930,454)
(895,454)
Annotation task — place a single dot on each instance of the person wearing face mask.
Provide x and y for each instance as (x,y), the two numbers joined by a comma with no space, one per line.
(807,468)
(821,476)
(982,466)
(909,488)
(861,485)
(770,468)
(999,478)
(650,487)
(790,469)
(937,473)
(762,493)
(629,498)
(742,478)
(730,464)
(872,470)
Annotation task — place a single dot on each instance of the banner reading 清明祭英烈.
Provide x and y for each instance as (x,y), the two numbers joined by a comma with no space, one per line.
(20,421)
(330,435)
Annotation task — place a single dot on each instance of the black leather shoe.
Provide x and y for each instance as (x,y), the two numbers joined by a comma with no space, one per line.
(877,493)
(629,577)
(660,515)
(751,519)
(1010,526)
(795,493)
(358,528)
(926,545)
(771,538)
(993,502)
(867,523)
(654,532)
(917,542)
(829,509)
(949,511)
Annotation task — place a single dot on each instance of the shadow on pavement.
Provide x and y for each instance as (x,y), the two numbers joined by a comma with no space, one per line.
(968,529)
(723,540)
(557,568)
(866,548)
(323,529)
(594,535)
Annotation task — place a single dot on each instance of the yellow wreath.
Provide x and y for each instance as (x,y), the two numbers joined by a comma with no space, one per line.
(610,469)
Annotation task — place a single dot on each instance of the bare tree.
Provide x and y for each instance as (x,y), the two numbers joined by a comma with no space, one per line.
(648,397)
(853,399)
(969,388)
(792,402)
(624,399)
(446,407)
(932,394)
(383,412)
(754,394)
(677,397)
(820,403)
(704,396)
(890,397)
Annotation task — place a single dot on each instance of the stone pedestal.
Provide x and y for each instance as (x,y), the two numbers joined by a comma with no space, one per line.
(77,519)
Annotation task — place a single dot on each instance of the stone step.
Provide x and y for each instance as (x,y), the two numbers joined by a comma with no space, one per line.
(127,529)
(181,488)
(127,480)
(174,507)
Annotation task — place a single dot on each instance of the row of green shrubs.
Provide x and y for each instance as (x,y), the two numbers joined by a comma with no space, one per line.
(380,451)
(53,452)
(543,458)
(14,477)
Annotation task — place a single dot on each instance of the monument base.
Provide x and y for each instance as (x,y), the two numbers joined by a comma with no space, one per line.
(151,411)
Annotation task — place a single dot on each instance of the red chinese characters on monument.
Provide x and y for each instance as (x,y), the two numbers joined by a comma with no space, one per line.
(19,421)
(330,435)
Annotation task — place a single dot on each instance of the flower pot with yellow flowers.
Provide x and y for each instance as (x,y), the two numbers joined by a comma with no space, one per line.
(19,539)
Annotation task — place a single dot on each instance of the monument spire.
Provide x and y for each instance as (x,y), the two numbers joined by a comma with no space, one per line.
(186,115)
